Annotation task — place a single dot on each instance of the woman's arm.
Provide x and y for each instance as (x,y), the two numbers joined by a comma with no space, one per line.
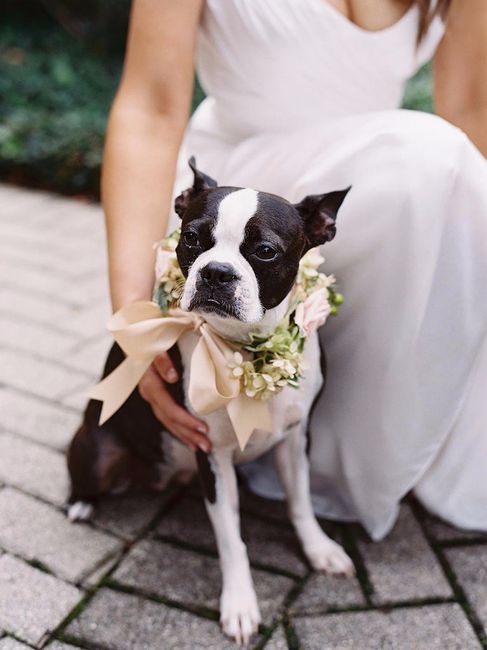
(145,130)
(144,133)
(460,70)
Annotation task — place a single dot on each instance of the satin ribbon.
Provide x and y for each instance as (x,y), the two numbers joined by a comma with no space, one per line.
(143,333)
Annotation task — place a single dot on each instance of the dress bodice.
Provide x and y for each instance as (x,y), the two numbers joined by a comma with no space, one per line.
(269,65)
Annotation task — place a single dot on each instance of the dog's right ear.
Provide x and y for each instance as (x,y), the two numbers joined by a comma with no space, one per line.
(201,182)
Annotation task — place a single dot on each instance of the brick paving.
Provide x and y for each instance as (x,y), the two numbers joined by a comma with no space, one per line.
(144,573)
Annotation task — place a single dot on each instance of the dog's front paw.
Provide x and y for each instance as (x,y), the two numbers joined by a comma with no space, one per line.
(329,557)
(239,613)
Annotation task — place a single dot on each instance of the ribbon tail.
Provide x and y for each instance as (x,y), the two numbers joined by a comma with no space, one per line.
(247,414)
(115,389)
(211,385)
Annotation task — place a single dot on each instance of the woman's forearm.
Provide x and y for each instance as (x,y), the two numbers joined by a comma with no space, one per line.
(139,167)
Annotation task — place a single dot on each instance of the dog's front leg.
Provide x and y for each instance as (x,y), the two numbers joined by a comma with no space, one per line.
(239,611)
(293,468)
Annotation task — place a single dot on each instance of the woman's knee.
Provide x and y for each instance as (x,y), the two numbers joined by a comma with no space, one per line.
(408,169)
(388,157)
(423,146)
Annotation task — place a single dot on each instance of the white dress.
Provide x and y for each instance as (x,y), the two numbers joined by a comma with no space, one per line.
(301,101)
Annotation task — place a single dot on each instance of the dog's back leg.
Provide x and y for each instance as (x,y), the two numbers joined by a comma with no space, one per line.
(125,450)
(98,456)
(98,463)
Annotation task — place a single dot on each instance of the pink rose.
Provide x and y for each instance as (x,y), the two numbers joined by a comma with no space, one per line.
(162,262)
(313,312)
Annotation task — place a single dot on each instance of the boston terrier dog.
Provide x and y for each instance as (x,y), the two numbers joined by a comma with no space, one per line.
(239,252)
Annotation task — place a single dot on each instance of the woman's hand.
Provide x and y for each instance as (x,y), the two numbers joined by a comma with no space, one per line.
(183,425)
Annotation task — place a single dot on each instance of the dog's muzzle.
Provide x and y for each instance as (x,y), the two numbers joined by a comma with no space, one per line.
(215,289)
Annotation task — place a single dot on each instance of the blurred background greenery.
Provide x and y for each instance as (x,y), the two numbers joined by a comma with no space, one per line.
(60,62)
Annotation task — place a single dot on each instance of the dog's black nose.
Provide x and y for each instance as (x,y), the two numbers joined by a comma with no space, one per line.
(218,273)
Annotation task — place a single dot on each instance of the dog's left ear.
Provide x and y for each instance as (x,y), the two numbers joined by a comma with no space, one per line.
(319,213)
(201,182)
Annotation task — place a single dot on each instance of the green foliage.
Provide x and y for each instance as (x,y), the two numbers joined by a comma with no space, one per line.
(54,101)
(100,25)
(418,92)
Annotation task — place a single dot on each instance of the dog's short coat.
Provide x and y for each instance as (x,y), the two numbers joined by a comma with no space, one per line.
(239,251)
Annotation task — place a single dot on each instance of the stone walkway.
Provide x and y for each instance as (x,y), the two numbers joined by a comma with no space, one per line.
(144,574)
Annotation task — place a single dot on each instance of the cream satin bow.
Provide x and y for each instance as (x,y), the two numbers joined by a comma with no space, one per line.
(143,333)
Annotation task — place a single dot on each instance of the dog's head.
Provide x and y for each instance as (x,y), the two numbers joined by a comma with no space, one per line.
(240,249)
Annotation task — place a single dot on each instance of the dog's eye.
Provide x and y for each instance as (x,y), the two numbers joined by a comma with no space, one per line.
(265,252)
(190,238)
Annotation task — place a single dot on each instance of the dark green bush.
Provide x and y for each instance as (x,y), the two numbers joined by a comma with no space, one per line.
(100,25)
(55,96)
(418,92)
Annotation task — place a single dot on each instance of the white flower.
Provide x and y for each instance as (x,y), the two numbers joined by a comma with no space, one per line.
(313,312)
(327,280)
(312,259)
(163,262)
(238,358)
(171,242)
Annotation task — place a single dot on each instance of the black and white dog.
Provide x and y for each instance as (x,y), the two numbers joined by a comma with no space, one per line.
(239,251)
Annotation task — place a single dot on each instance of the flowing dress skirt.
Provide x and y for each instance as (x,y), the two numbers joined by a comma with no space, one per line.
(405,406)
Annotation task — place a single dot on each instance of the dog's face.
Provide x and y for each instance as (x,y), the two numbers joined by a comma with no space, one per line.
(240,249)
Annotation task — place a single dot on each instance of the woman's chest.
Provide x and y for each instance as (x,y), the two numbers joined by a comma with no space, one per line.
(372,15)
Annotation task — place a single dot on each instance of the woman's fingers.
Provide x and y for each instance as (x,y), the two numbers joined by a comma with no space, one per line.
(190,437)
(175,413)
(165,368)
(179,422)
(175,419)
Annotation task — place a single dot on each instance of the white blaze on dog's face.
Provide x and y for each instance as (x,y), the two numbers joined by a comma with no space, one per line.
(240,249)
(220,279)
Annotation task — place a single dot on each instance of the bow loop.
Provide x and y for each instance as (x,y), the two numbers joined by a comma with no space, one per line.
(137,329)
(143,332)
(210,391)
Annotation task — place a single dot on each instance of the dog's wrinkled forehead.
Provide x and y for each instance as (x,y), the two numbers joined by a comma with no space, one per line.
(231,215)
(235,209)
